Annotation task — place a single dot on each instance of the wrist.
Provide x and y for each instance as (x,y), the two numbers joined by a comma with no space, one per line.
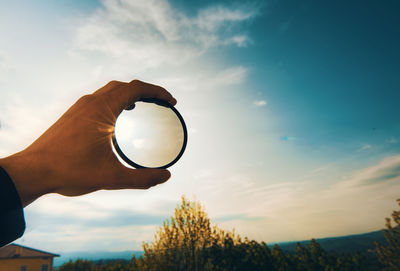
(28,176)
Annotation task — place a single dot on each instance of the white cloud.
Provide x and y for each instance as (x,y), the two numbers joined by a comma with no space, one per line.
(149,40)
(127,37)
(260,103)
(303,210)
(74,222)
(238,40)
(291,210)
(387,170)
(202,80)
(22,122)
(152,33)
(213,18)
(231,76)
(365,147)
(19,126)
(70,237)
(392,140)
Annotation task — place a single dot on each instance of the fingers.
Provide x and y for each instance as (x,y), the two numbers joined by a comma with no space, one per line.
(112,85)
(126,178)
(122,96)
(150,91)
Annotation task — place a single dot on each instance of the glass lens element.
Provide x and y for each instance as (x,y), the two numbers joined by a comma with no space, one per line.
(150,135)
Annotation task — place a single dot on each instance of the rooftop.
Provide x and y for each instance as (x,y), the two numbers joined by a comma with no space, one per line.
(17,251)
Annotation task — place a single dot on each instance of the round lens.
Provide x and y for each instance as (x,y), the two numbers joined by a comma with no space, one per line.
(152,135)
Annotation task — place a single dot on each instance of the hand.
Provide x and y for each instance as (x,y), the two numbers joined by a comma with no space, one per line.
(74,156)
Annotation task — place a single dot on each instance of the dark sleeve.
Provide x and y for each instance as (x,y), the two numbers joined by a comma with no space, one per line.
(12,222)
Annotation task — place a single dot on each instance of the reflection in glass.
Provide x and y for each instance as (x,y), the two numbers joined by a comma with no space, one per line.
(150,135)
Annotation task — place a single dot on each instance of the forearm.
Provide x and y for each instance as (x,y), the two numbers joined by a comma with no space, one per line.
(29,178)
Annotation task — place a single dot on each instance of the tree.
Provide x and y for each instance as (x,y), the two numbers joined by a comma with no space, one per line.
(281,260)
(389,255)
(78,265)
(187,241)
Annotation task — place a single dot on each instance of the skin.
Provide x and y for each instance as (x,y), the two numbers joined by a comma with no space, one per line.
(74,156)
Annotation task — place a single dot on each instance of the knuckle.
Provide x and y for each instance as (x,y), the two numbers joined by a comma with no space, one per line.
(114,83)
(135,82)
(86,99)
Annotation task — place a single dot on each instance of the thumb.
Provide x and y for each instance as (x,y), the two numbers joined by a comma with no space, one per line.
(140,178)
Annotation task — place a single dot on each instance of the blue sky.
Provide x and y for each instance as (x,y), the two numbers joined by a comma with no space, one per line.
(292,111)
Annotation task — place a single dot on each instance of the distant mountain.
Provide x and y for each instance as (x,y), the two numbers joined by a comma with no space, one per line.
(95,256)
(343,244)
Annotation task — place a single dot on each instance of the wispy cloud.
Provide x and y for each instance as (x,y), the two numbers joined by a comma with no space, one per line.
(144,39)
(392,140)
(231,76)
(203,80)
(19,126)
(153,32)
(129,37)
(212,18)
(115,227)
(260,103)
(236,217)
(365,147)
(303,210)
(387,170)
(273,212)
(115,218)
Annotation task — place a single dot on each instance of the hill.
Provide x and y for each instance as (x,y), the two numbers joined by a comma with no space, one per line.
(95,256)
(343,244)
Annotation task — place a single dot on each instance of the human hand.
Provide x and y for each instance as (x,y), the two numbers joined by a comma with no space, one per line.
(74,156)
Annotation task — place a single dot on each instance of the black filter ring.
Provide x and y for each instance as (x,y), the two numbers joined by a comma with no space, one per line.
(185,136)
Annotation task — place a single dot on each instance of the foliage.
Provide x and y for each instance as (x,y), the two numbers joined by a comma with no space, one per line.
(78,265)
(389,255)
(188,242)
(86,265)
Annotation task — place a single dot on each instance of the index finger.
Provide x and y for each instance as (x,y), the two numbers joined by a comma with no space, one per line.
(125,95)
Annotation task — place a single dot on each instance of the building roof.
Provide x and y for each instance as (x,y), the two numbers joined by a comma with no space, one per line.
(17,251)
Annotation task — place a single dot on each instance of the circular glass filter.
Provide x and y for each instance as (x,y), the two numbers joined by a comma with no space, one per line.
(152,135)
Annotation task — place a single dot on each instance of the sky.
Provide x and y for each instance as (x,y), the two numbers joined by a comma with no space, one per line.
(291,107)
